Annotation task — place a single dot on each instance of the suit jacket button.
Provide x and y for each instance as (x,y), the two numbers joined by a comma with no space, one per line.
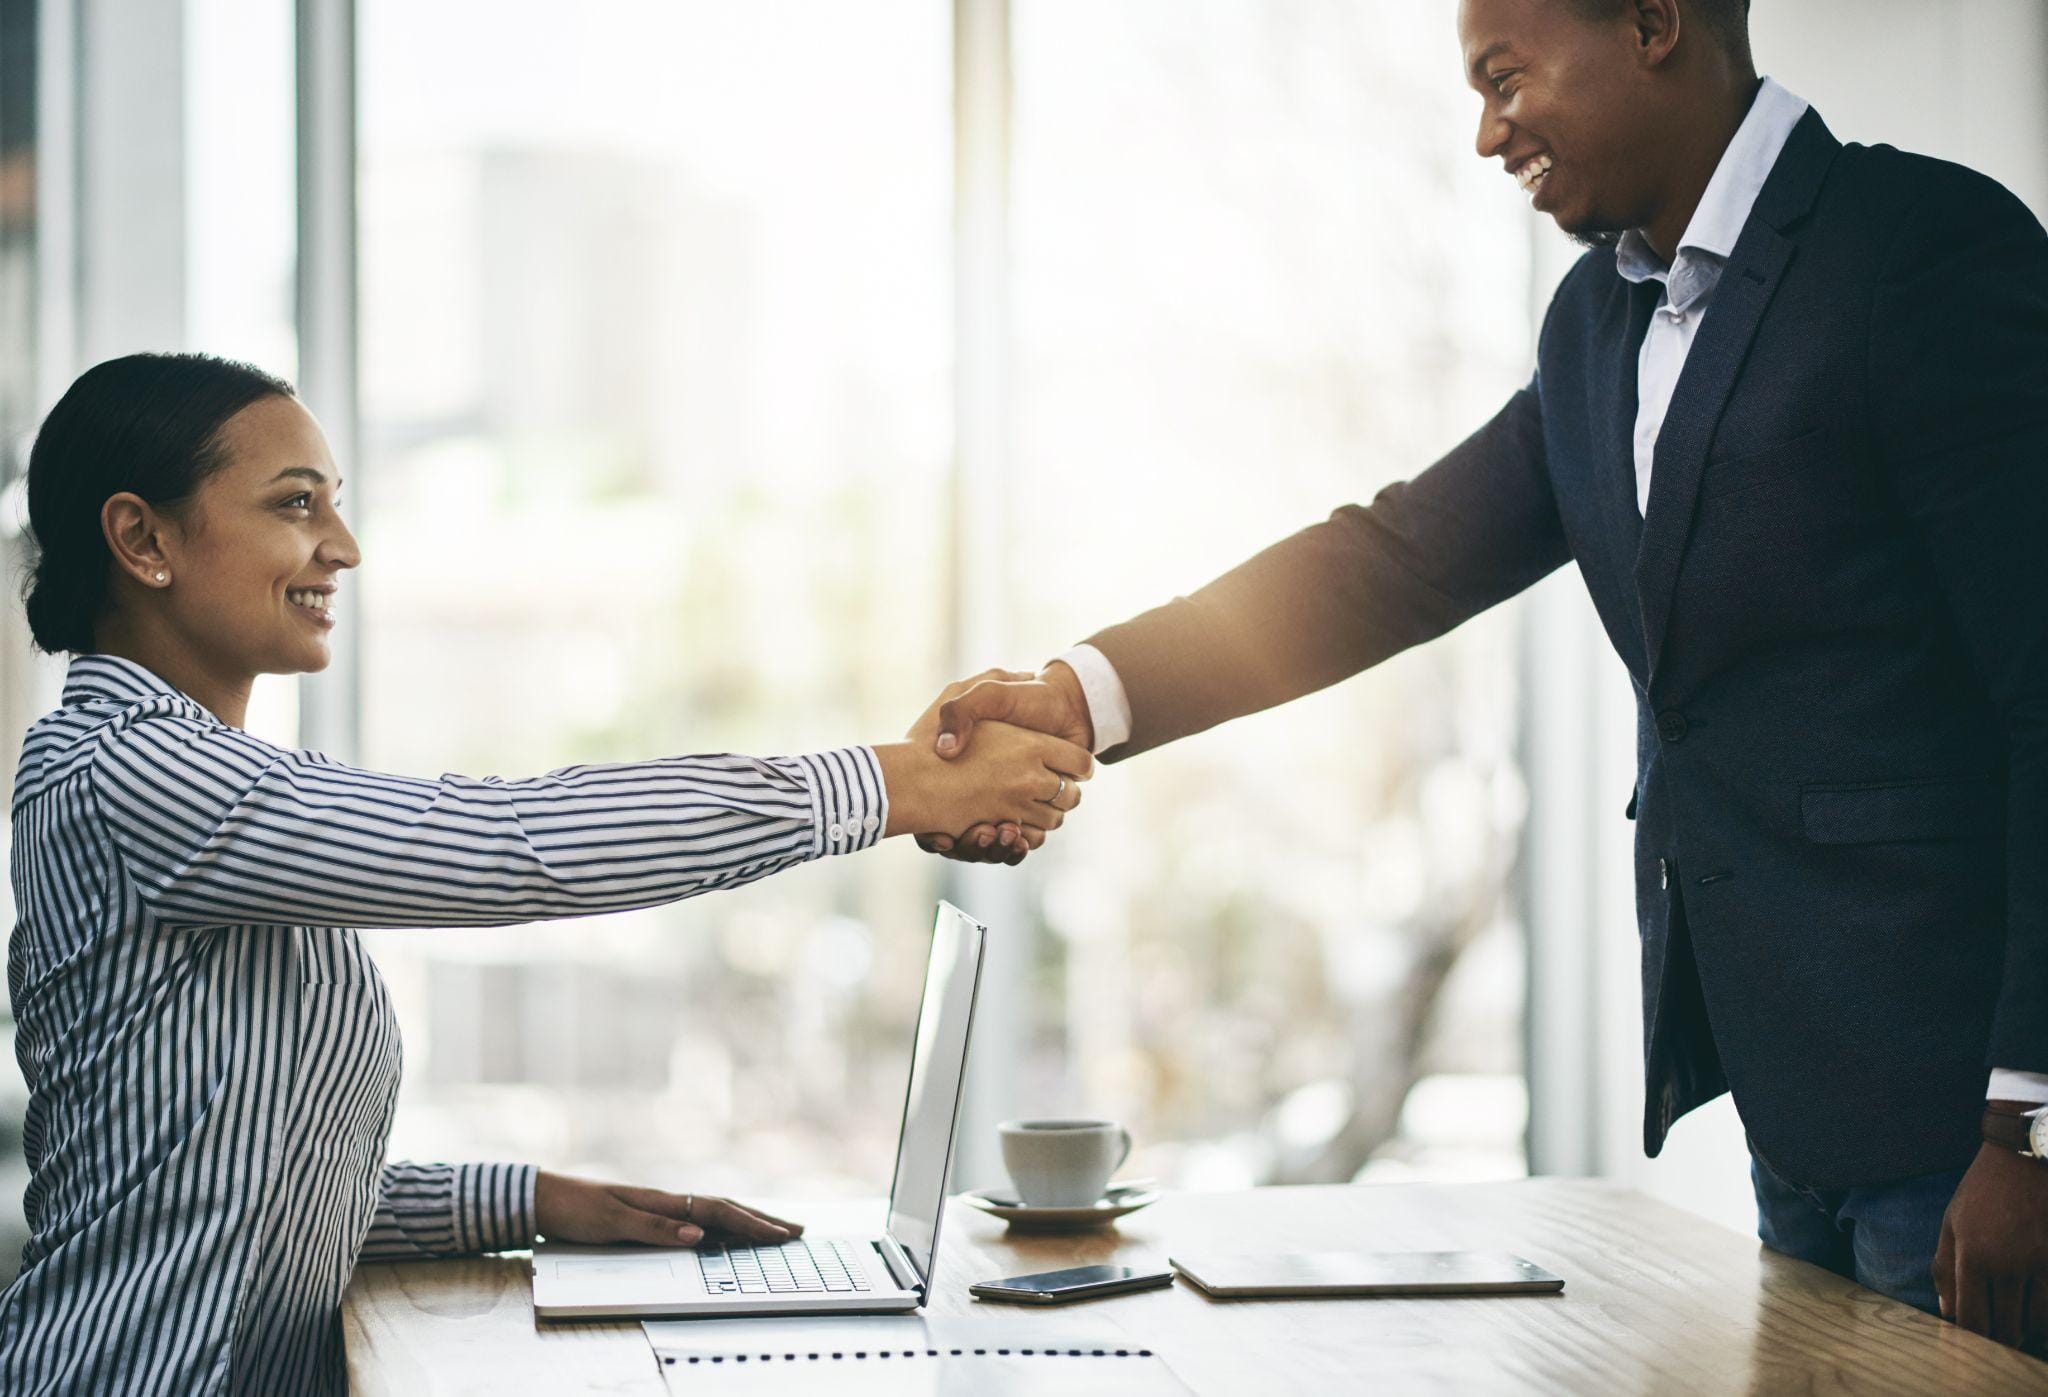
(1672,726)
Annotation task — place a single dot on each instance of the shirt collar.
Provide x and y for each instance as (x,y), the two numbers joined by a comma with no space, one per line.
(1717,223)
(110,676)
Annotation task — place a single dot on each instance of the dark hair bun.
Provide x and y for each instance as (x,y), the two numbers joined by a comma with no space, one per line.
(53,630)
(146,424)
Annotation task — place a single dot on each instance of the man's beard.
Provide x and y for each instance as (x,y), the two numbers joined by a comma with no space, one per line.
(1596,238)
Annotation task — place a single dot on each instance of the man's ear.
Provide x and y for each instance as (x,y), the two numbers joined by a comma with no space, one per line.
(135,536)
(1657,27)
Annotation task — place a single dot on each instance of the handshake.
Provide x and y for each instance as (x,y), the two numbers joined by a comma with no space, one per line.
(993,766)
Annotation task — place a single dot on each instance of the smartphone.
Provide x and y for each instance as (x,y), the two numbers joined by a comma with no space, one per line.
(1077,1283)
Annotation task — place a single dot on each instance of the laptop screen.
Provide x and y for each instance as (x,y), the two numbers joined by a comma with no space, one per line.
(938,1060)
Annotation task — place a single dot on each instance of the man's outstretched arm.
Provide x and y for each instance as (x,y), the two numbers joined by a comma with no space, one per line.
(1368,582)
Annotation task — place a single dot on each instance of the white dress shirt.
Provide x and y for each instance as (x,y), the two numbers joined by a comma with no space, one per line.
(1689,282)
(1688,292)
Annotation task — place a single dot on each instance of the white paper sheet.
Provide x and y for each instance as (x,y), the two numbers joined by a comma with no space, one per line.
(910,1356)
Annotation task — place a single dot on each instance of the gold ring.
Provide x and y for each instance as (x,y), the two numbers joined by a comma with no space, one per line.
(689,1206)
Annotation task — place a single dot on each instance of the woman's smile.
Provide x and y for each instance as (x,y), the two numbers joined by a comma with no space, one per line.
(315,604)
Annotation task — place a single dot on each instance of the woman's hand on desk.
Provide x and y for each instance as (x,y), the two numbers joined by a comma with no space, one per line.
(568,1209)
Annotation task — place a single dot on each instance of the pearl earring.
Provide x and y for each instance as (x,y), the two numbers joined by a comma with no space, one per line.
(163,577)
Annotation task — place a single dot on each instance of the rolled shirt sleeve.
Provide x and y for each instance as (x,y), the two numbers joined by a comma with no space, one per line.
(435,1210)
(216,826)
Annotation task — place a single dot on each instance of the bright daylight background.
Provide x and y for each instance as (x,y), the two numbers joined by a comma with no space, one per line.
(714,396)
(657,309)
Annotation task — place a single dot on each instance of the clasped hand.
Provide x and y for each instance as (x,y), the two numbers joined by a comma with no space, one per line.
(1013,778)
(994,705)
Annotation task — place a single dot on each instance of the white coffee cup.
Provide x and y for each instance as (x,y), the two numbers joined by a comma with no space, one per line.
(1063,1163)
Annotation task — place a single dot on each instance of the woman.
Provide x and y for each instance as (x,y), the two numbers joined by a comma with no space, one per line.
(211,1057)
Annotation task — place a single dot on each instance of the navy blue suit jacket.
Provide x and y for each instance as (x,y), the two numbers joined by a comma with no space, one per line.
(1835,614)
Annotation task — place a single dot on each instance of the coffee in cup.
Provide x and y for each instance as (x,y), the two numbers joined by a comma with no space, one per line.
(1062,1163)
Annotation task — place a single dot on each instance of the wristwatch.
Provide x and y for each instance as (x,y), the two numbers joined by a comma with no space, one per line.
(2026,1133)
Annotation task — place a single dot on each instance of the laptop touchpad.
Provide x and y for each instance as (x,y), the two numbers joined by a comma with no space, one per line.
(631,1276)
(635,1267)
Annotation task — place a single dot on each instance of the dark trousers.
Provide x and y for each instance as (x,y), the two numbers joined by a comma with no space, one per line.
(1879,1235)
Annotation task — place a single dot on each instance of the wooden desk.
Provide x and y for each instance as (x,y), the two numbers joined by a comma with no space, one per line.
(1655,1301)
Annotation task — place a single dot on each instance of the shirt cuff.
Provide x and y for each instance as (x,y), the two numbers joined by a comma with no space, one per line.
(2008,1085)
(493,1207)
(849,804)
(1109,707)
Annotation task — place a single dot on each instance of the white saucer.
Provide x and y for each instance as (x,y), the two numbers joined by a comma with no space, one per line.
(1025,1217)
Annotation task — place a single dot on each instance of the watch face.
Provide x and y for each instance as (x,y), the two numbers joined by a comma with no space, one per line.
(2037,1135)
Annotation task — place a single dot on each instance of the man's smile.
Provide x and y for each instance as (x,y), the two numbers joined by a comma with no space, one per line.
(1530,173)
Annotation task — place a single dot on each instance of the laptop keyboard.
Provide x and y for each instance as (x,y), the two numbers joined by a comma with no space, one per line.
(794,1268)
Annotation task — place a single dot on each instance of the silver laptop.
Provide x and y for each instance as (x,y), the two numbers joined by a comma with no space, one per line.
(811,1275)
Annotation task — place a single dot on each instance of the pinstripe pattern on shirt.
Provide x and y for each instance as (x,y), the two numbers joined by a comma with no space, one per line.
(211,1056)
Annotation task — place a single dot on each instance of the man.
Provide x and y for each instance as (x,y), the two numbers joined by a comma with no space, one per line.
(1788,420)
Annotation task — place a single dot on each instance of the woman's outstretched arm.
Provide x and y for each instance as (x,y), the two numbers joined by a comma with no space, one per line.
(215,826)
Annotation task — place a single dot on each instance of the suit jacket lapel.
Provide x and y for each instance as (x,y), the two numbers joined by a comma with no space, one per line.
(1703,387)
(1740,299)
(1615,469)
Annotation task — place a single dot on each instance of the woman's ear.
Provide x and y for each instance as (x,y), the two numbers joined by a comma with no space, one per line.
(134,534)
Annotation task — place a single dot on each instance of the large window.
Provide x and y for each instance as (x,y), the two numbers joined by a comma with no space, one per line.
(20,349)
(660,335)
(1260,274)
(657,317)
(656,306)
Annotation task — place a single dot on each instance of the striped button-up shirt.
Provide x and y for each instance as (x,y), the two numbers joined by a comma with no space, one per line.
(212,1060)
